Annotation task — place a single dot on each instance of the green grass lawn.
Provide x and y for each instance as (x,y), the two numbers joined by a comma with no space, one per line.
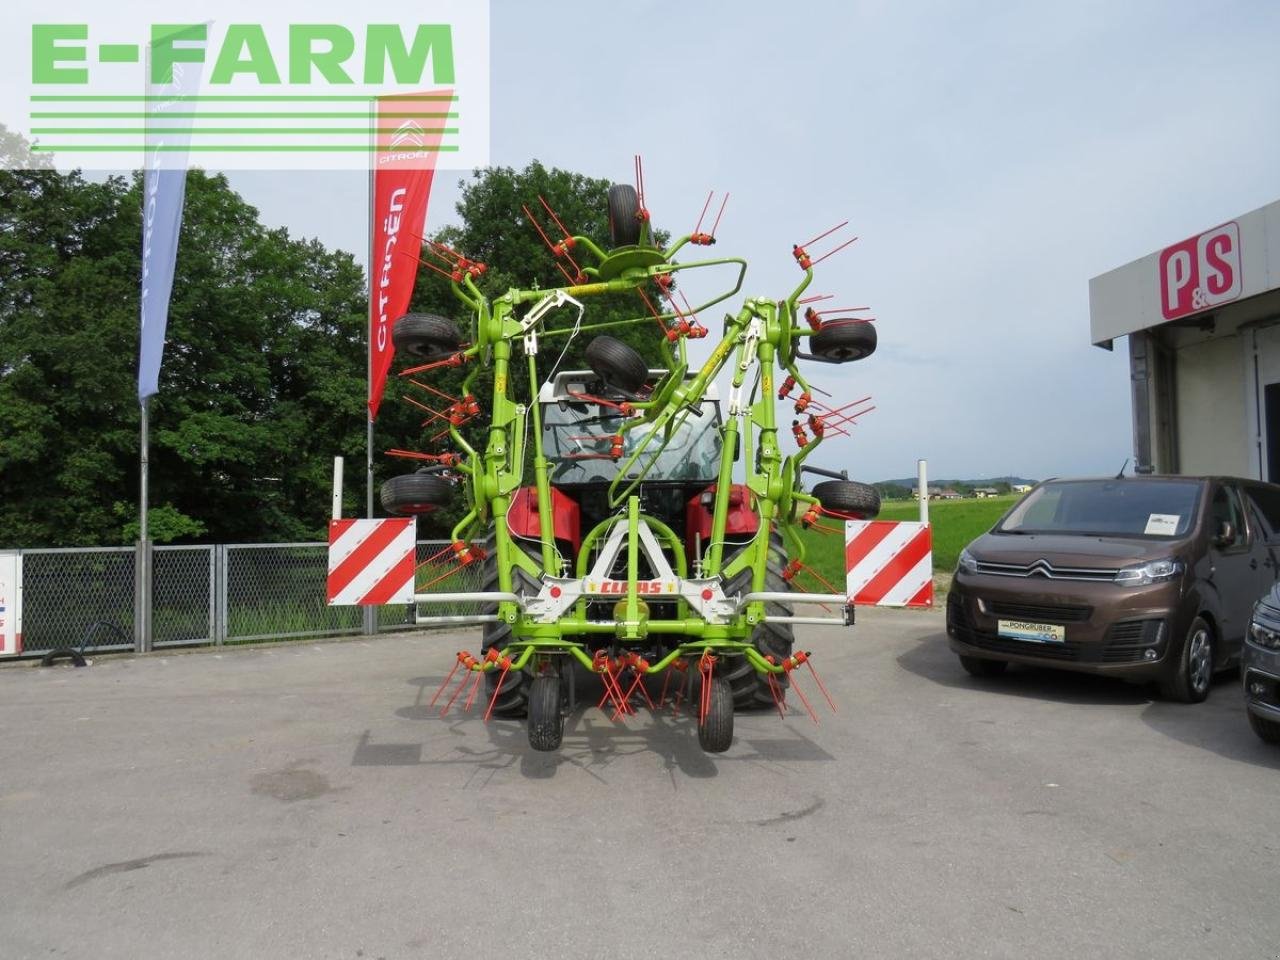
(955,524)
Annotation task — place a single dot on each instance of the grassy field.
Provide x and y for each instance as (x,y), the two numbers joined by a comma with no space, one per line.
(955,523)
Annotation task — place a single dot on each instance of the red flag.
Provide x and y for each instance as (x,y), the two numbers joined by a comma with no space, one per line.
(407,131)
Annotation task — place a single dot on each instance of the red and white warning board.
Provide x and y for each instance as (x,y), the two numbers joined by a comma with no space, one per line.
(371,562)
(10,603)
(889,563)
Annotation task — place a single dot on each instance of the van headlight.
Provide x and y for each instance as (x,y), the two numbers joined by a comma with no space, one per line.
(1264,636)
(966,563)
(1157,571)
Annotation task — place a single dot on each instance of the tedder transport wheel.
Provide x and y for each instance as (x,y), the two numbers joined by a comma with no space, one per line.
(425,336)
(514,698)
(848,498)
(843,341)
(624,222)
(415,493)
(750,690)
(617,364)
(546,719)
(715,730)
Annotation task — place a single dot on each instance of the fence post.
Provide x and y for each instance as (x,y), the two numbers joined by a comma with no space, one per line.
(220,593)
(213,594)
(142,597)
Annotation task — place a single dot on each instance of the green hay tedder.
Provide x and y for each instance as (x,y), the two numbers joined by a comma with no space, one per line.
(630,521)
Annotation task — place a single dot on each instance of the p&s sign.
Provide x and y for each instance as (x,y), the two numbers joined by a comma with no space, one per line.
(1200,272)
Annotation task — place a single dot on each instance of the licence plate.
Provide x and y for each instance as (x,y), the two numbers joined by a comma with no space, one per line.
(1032,632)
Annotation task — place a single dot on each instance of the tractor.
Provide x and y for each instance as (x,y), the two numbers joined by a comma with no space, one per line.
(630,521)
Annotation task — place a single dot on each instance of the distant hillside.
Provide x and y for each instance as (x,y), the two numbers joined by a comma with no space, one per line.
(910,482)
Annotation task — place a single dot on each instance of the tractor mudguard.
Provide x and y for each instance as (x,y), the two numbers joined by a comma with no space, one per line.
(742,522)
(522,519)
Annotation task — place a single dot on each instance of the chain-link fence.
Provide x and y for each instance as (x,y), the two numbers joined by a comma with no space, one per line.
(74,597)
(84,598)
(183,595)
(277,591)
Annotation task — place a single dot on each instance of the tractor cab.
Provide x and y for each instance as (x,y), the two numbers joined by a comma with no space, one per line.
(582,421)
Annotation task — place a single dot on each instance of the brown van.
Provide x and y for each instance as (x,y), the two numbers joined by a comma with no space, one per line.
(1146,578)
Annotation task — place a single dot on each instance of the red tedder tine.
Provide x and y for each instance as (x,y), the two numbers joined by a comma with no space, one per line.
(497,689)
(471,697)
(823,687)
(445,683)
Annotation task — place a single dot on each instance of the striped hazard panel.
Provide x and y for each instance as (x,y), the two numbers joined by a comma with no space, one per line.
(371,562)
(889,563)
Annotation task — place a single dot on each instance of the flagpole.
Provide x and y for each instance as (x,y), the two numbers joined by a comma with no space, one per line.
(142,552)
(370,613)
(368,343)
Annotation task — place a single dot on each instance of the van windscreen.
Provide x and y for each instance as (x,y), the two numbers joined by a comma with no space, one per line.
(1108,508)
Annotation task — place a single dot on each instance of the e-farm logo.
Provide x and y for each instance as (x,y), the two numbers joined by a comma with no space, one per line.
(316,52)
(296,89)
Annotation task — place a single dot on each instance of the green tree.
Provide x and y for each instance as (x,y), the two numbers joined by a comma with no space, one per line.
(262,383)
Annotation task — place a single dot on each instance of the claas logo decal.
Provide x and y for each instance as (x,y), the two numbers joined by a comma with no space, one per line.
(620,586)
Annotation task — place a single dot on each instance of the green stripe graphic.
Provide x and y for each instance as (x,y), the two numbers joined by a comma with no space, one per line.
(293,115)
(130,131)
(229,98)
(238,148)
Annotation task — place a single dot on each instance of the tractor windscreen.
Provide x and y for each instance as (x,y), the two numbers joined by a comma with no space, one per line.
(579,439)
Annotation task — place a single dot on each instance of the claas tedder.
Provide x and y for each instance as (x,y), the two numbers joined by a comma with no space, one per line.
(630,521)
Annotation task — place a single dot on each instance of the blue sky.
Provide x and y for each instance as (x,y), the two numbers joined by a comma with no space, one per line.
(991,158)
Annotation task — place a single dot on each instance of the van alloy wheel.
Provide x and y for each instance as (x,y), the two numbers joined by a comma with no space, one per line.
(1192,673)
(1200,661)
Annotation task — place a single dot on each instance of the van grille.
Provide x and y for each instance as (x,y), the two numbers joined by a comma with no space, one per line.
(1125,642)
(1041,613)
(965,631)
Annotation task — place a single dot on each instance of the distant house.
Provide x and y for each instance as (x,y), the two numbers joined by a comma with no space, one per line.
(983,492)
(945,494)
(934,493)
(1021,488)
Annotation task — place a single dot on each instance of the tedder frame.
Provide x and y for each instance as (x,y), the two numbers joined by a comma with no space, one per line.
(709,627)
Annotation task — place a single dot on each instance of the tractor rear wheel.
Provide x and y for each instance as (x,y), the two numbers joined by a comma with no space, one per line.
(624,219)
(750,689)
(425,336)
(513,699)
(843,341)
(617,364)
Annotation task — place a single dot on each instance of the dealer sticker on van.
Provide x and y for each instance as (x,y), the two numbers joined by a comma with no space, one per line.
(1033,632)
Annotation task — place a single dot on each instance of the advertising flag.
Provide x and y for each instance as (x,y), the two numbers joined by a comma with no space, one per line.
(408,135)
(164,187)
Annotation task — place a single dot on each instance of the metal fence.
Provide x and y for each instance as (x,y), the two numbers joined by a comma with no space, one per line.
(83,598)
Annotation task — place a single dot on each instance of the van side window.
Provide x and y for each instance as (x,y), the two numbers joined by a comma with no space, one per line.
(1226,508)
(1267,501)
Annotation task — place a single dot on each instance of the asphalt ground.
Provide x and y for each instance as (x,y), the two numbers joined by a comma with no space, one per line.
(303,801)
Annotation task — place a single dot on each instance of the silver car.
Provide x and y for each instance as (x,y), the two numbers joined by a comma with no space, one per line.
(1260,667)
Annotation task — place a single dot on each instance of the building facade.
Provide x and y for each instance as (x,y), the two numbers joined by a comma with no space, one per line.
(1202,318)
